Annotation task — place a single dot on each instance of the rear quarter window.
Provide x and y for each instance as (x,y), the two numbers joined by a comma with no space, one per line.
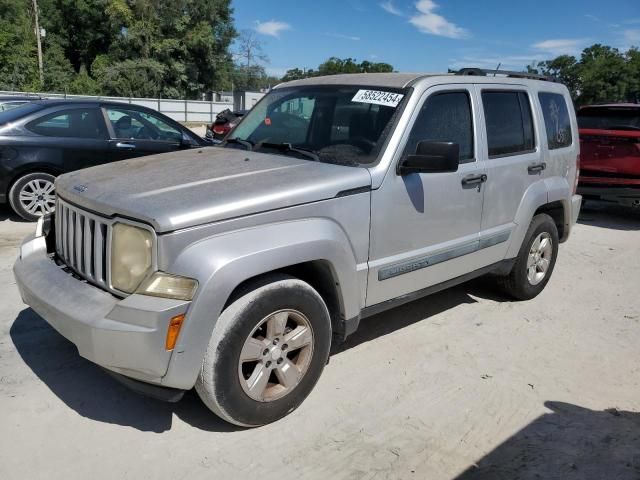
(556,120)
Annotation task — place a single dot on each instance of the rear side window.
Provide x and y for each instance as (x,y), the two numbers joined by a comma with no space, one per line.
(445,117)
(76,123)
(509,123)
(556,120)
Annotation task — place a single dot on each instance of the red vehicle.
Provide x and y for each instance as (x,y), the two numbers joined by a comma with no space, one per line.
(610,153)
(224,123)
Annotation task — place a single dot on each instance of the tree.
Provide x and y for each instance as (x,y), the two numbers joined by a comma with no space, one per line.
(602,74)
(18,56)
(334,66)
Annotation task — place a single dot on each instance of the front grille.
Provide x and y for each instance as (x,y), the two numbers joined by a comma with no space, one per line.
(82,240)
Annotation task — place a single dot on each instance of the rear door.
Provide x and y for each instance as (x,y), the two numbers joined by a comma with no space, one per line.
(513,159)
(136,133)
(70,138)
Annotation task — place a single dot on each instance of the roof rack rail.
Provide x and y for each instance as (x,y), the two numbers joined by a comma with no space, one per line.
(483,72)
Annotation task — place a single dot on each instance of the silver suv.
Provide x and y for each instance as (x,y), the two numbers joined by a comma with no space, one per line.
(233,269)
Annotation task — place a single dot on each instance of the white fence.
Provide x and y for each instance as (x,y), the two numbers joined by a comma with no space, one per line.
(180,110)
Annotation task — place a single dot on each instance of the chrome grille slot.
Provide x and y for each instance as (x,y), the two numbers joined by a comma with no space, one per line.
(81,242)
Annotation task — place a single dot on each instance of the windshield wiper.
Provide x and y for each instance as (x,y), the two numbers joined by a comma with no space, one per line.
(287,147)
(245,143)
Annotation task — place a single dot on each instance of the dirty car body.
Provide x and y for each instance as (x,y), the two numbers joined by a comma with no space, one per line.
(324,187)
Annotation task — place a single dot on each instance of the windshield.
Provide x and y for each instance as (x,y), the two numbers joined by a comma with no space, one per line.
(335,124)
(616,118)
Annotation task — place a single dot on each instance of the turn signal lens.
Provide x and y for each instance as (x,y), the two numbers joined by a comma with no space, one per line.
(175,324)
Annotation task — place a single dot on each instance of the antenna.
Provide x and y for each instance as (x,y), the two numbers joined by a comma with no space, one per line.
(497,69)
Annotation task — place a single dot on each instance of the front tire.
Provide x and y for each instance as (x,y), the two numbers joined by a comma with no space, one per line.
(266,353)
(535,261)
(33,195)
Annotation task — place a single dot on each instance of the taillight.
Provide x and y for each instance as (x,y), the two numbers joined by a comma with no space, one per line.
(575,183)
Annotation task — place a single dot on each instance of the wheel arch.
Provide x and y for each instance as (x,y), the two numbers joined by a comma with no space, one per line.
(314,250)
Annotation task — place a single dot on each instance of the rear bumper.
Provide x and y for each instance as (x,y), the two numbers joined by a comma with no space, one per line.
(126,336)
(576,203)
(629,197)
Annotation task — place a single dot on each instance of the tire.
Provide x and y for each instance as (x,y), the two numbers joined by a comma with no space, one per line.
(521,283)
(33,195)
(247,326)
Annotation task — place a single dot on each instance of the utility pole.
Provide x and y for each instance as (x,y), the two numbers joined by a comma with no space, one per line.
(36,15)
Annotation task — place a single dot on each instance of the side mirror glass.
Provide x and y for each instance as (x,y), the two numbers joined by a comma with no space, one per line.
(432,157)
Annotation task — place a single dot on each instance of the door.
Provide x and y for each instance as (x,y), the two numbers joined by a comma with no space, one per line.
(425,226)
(136,133)
(71,138)
(513,160)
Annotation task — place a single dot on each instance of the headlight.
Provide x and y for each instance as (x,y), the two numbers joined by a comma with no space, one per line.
(131,249)
(165,285)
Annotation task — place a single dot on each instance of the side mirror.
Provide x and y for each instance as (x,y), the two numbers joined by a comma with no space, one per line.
(432,157)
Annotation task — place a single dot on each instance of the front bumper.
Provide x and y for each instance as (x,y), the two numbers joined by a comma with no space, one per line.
(126,336)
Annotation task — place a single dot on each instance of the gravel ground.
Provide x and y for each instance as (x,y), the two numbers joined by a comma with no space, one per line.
(463,384)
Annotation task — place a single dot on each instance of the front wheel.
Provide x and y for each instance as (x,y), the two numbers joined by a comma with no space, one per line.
(33,195)
(536,260)
(266,353)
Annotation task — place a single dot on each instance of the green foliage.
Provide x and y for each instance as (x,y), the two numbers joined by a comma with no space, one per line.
(168,48)
(18,57)
(334,66)
(603,74)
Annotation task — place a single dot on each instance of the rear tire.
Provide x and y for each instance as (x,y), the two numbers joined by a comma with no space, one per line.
(33,195)
(535,261)
(266,353)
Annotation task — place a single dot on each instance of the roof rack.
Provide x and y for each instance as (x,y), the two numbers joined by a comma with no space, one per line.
(483,72)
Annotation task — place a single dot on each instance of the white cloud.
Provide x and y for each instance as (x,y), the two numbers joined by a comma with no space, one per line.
(277,71)
(428,22)
(592,17)
(389,7)
(491,62)
(561,46)
(272,27)
(342,36)
(632,37)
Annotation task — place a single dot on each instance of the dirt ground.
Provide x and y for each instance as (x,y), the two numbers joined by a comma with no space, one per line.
(464,384)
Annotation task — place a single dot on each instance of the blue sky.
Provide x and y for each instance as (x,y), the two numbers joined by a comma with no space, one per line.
(433,35)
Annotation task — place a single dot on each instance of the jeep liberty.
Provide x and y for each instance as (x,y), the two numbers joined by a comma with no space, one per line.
(233,269)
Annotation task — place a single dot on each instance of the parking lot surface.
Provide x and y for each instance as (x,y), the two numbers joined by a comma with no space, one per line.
(463,384)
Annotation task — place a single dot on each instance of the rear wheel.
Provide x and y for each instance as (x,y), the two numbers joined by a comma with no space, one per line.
(536,260)
(266,353)
(33,195)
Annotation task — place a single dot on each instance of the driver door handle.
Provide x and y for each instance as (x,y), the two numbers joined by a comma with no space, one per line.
(125,146)
(474,179)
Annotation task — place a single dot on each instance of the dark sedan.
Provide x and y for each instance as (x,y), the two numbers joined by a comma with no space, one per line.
(45,138)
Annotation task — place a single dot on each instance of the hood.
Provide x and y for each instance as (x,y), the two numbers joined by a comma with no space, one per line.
(182,189)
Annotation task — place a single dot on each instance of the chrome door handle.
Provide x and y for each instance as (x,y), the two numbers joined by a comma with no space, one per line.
(125,146)
(537,167)
(474,179)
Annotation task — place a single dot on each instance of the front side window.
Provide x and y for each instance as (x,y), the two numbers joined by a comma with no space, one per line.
(139,125)
(76,123)
(346,125)
(509,123)
(445,117)
(556,120)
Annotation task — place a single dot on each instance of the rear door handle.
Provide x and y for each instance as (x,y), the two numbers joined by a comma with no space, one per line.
(537,167)
(125,146)
(474,179)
